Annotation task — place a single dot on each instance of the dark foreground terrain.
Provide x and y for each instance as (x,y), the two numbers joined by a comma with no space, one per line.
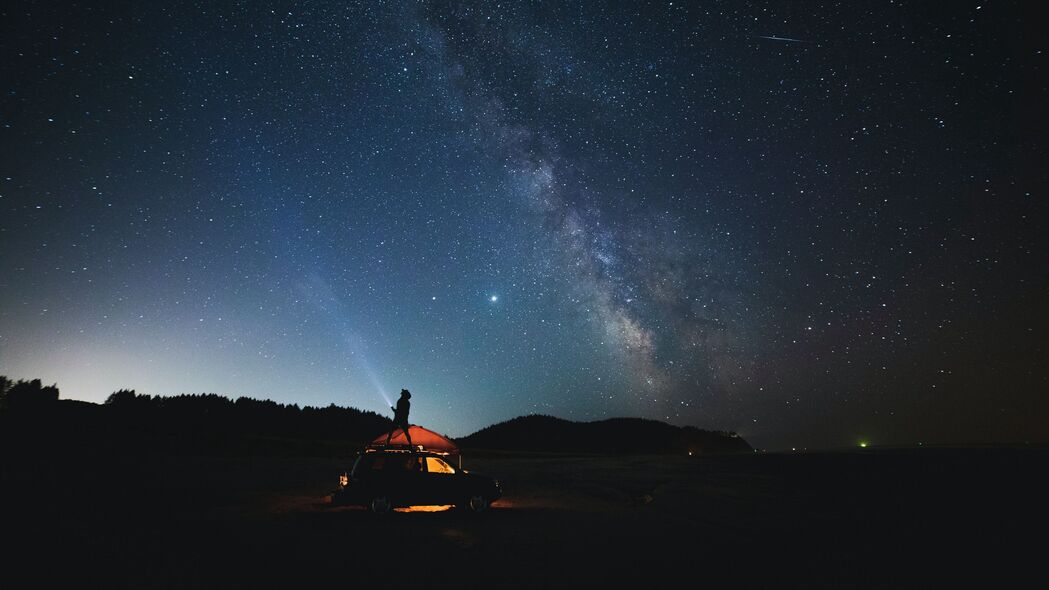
(872,518)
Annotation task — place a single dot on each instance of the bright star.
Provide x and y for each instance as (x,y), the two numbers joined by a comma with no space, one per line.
(493,298)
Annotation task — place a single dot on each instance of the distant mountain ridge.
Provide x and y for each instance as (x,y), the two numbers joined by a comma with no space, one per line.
(210,424)
(538,432)
(33,417)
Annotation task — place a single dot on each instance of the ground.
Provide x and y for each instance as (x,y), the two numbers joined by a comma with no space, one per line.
(870,518)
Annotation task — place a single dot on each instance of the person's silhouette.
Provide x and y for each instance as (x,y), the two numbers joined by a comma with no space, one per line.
(400,417)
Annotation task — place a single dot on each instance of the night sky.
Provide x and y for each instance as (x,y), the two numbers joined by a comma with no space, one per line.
(813,224)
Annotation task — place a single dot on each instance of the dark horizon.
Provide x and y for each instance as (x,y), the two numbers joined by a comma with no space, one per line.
(860,444)
(813,225)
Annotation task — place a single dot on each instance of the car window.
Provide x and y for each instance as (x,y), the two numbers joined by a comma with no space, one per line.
(436,465)
(358,465)
(406,463)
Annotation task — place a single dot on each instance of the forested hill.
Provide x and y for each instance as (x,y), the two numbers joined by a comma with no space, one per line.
(33,414)
(616,435)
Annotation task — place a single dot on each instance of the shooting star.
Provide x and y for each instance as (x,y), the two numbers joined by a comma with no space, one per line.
(775,38)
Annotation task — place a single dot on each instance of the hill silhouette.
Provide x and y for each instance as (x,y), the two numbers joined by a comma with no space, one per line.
(539,432)
(32,417)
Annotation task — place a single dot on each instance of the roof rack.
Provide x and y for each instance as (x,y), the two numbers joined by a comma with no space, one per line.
(372,447)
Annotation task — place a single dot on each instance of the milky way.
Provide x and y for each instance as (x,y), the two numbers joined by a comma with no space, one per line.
(809,226)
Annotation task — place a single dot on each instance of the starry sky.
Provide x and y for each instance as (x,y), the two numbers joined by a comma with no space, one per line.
(810,223)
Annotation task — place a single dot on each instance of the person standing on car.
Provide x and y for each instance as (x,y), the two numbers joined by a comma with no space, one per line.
(400,417)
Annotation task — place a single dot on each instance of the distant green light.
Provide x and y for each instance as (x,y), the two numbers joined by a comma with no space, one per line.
(863,444)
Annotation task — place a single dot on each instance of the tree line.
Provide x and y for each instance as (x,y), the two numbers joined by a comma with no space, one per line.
(188,421)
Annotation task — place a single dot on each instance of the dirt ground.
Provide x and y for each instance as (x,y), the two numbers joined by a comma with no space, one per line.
(866,519)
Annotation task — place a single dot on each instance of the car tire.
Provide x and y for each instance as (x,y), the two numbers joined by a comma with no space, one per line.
(380,505)
(476,503)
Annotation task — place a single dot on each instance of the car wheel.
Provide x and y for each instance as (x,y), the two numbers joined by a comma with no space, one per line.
(380,505)
(477,503)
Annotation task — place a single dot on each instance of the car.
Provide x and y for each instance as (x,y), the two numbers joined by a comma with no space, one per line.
(382,479)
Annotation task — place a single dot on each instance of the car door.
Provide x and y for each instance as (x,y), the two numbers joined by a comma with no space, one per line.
(412,484)
(441,481)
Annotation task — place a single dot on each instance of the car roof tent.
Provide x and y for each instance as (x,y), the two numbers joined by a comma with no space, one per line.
(421,437)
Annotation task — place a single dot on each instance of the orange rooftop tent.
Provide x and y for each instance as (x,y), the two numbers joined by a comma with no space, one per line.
(421,437)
